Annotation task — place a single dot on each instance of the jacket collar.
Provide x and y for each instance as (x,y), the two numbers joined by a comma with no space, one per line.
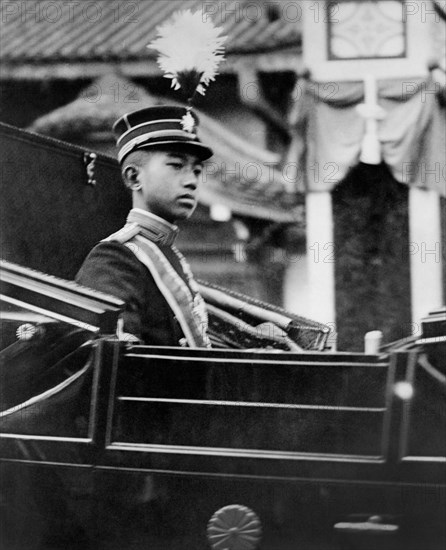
(153,227)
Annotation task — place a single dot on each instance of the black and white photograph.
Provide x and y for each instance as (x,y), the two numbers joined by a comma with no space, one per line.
(222,274)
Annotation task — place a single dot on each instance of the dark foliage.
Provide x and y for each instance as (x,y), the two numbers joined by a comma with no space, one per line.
(372,263)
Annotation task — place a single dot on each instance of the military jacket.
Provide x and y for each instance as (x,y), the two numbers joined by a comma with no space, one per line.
(114,266)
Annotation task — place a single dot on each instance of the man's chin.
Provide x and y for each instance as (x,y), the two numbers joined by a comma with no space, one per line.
(185,213)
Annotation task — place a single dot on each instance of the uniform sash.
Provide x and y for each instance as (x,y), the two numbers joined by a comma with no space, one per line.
(188,309)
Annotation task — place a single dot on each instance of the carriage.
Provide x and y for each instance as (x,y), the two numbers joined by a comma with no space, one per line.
(266,440)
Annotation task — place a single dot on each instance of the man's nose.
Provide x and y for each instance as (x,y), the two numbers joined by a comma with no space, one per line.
(191,180)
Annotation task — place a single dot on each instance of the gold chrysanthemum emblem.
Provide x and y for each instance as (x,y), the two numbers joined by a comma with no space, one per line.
(236,527)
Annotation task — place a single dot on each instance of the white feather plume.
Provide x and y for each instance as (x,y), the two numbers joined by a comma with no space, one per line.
(190,50)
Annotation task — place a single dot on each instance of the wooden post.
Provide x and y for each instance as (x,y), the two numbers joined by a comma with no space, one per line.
(320,259)
(309,286)
(425,251)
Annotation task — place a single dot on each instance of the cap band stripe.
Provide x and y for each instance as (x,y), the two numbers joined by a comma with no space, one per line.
(132,128)
(145,138)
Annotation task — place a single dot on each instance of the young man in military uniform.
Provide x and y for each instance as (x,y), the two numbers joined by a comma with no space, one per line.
(161,159)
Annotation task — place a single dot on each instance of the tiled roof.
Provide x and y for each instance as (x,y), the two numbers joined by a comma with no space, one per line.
(119,30)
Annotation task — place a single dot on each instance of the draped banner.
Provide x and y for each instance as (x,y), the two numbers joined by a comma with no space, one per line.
(412,133)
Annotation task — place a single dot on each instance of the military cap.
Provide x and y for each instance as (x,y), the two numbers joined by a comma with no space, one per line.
(163,127)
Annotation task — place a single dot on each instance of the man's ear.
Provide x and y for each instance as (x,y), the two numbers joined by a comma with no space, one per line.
(130,175)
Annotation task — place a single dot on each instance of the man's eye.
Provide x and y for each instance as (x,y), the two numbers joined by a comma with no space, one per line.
(198,172)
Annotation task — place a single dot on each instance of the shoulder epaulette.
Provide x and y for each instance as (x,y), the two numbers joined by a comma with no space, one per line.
(126,233)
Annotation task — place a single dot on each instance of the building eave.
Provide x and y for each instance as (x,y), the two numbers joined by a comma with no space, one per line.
(278,61)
